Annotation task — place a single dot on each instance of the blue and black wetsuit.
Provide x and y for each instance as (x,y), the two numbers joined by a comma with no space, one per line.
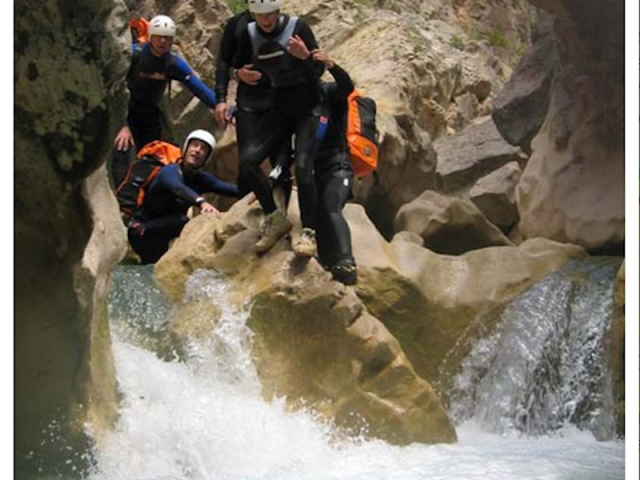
(163,214)
(147,81)
(334,175)
(295,98)
(252,101)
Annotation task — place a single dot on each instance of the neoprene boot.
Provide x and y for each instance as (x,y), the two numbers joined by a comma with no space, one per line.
(345,272)
(276,225)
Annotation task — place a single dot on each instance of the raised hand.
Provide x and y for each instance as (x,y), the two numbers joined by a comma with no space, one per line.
(298,48)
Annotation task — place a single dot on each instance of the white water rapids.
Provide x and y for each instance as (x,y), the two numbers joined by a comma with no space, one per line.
(203,418)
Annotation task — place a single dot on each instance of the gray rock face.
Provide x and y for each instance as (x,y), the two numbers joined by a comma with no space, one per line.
(70,61)
(476,151)
(494,195)
(571,189)
(520,108)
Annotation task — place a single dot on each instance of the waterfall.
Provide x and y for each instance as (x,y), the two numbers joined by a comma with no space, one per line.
(196,412)
(544,365)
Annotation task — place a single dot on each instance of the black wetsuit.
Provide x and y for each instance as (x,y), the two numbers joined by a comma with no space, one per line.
(147,81)
(334,175)
(163,213)
(296,95)
(252,101)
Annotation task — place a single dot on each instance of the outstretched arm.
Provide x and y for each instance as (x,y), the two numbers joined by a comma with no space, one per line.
(211,183)
(171,180)
(182,72)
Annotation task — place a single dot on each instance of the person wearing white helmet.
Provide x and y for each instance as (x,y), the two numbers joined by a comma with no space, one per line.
(153,66)
(176,188)
(264,6)
(251,102)
(277,47)
(162,30)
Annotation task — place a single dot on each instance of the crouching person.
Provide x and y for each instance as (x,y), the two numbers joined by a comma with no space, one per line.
(177,187)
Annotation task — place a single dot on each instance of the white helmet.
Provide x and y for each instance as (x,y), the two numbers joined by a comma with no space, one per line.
(204,136)
(162,25)
(264,6)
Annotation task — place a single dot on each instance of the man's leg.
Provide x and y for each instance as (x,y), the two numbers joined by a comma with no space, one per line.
(151,239)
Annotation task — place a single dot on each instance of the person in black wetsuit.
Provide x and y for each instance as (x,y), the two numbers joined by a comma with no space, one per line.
(153,66)
(334,177)
(177,187)
(252,102)
(278,47)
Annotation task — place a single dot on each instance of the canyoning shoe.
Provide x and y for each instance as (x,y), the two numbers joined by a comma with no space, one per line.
(345,272)
(305,244)
(276,225)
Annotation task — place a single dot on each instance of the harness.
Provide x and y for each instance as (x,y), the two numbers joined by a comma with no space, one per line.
(272,54)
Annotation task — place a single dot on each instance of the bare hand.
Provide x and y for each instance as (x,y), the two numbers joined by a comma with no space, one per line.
(221,113)
(321,56)
(298,48)
(248,75)
(206,207)
(124,139)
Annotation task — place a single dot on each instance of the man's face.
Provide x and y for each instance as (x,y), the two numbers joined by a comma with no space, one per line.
(196,154)
(267,21)
(161,44)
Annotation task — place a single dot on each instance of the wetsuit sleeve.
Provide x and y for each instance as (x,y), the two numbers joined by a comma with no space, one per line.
(211,183)
(245,50)
(226,52)
(181,71)
(344,84)
(169,179)
(314,67)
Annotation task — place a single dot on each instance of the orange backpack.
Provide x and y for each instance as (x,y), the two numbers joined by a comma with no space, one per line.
(139,30)
(362,134)
(150,159)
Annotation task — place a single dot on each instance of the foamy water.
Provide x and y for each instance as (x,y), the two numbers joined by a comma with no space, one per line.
(203,419)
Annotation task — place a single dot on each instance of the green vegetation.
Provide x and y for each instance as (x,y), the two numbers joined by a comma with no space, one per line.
(236,6)
(417,41)
(497,39)
(456,42)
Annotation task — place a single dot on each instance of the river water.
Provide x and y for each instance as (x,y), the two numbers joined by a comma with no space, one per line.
(202,417)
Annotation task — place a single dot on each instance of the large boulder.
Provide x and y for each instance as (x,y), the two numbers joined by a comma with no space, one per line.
(316,344)
(313,340)
(69,68)
(448,225)
(427,300)
(465,157)
(495,195)
(319,343)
